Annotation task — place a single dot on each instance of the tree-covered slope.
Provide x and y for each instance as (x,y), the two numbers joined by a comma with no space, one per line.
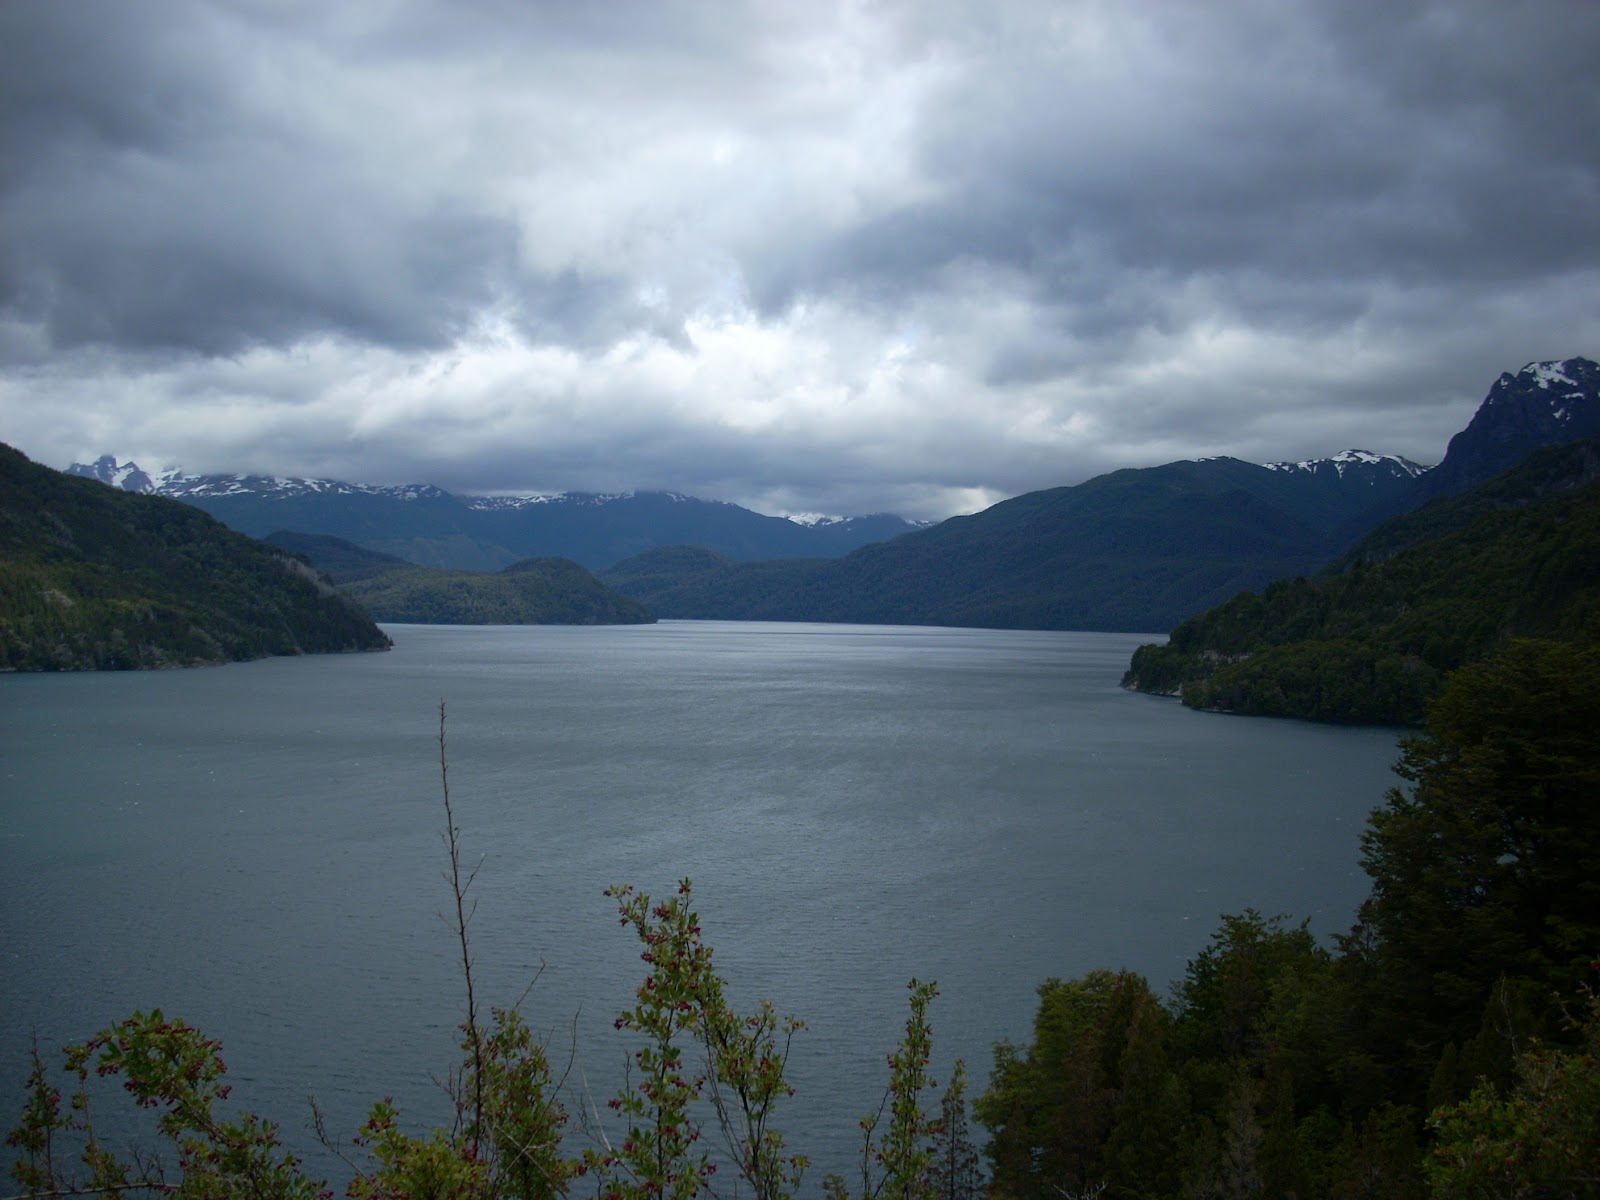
(92,578)
(1543,473)
(1420,596)
(1135,549)
(536,591)
(339,560)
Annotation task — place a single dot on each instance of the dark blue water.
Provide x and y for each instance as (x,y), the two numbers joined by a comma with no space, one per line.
(257,847)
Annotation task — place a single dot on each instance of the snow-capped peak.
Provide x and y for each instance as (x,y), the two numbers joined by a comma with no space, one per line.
(173,483)
(1568,387)
(126,476)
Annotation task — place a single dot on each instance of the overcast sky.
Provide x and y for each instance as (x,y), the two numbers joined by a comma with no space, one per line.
(804,256)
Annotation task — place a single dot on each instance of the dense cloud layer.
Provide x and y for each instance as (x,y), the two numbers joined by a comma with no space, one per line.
(869,256)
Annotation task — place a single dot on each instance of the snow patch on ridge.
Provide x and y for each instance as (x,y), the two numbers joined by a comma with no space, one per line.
(1543,374)
(1348,460)
(174,484)
(512,503)
(1556,383)
(516,503)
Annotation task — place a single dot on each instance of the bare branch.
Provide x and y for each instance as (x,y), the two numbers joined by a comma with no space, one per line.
(458,889)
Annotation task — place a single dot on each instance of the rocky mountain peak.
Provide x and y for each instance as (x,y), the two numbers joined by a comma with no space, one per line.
(126,476)
(1544,404)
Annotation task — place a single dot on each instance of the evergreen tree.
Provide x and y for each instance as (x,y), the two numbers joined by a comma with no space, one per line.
(954,1174)
(1488,867)
(1085,1105)
(1147,1120)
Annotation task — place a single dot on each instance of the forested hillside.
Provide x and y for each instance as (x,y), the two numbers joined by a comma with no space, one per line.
(537,591)
(339,560)
(1135,549)
(1372,640)
(96,579)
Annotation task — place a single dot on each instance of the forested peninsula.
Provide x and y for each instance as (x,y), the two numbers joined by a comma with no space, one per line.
(92,578)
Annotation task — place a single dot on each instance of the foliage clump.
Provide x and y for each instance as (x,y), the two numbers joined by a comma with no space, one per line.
(707,1085)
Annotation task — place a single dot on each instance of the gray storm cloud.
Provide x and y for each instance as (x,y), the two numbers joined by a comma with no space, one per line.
(842,257)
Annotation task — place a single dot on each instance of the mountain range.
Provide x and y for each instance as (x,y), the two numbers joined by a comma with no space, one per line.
(428,526)
(1137,549)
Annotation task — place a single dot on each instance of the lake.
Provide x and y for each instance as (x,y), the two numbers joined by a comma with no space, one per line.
(257,848)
